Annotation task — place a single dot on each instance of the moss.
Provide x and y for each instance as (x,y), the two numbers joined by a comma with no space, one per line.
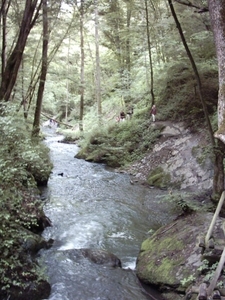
(159,178)
(165,270)
(202,154)
(147,244)
(169,243)
(161,270)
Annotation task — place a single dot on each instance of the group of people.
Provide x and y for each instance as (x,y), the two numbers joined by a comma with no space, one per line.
(122,116)
(53,123)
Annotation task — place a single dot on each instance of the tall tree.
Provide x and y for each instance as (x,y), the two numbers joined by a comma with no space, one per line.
(217,17)
(9,75)
(149,53)
(127,59)
(97,60)
(37,115)
(218,148)
(3,13)
(81,10)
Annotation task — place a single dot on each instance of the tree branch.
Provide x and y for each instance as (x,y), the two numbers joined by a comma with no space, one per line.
(190,4)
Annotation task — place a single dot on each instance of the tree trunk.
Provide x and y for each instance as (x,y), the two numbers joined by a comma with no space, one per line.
(98,77)
(12,66)
(4,11)
(82,65)
(127,52)
(37,115)
(149,54)
(218,150)
(218,179)
(217,17)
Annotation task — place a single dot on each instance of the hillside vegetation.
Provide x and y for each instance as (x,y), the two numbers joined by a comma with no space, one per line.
(120,144)
(24,164)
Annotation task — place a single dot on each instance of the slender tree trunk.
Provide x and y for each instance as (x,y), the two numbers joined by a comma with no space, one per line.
(37,115)
(217,17)
(218,149)
(127,58)
(4,11)
(149,54)
(98,77)
(67,82)
(82,65)
(13,63)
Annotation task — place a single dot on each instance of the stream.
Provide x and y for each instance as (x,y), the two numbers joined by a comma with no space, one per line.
(92,206)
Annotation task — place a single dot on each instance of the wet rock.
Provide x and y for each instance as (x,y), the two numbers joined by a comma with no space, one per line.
(34,290)
(97,256)
(32,243)
(102,257)
(172,254)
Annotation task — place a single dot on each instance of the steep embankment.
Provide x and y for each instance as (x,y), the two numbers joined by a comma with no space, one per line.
(178,159)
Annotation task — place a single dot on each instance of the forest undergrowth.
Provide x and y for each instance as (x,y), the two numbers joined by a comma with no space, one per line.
(24,163)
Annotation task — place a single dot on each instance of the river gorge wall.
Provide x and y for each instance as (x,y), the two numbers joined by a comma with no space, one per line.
(182,154)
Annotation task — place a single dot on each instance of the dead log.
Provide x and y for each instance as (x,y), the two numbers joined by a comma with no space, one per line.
(59,122)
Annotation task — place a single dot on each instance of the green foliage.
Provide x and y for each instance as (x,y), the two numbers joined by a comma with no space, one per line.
(119,143)
(182,202)
(187,281)
(202,154)
(183,104)
(209,271)
(22,164)
(70,135)
(159,178)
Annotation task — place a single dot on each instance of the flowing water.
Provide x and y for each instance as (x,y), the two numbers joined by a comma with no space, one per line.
(92,206)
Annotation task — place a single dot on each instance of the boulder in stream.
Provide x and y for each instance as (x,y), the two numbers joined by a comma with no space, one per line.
(97,256)
(171,257)
(102,257)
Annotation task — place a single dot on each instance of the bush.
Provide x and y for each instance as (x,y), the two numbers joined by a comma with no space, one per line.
(22,165)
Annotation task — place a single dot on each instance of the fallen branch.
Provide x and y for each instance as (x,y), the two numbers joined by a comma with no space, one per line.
(59,122)
(190,4)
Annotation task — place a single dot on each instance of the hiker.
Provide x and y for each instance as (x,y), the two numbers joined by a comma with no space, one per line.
(122,116)
(153,112)
(130,113)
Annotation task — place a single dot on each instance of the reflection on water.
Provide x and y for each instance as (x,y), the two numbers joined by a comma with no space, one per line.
(91,206)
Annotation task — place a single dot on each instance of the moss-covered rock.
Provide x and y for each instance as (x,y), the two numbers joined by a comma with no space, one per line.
(171,257)
(159,178)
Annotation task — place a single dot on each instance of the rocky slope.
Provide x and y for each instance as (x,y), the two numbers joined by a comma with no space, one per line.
(173,260)
(181,154)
